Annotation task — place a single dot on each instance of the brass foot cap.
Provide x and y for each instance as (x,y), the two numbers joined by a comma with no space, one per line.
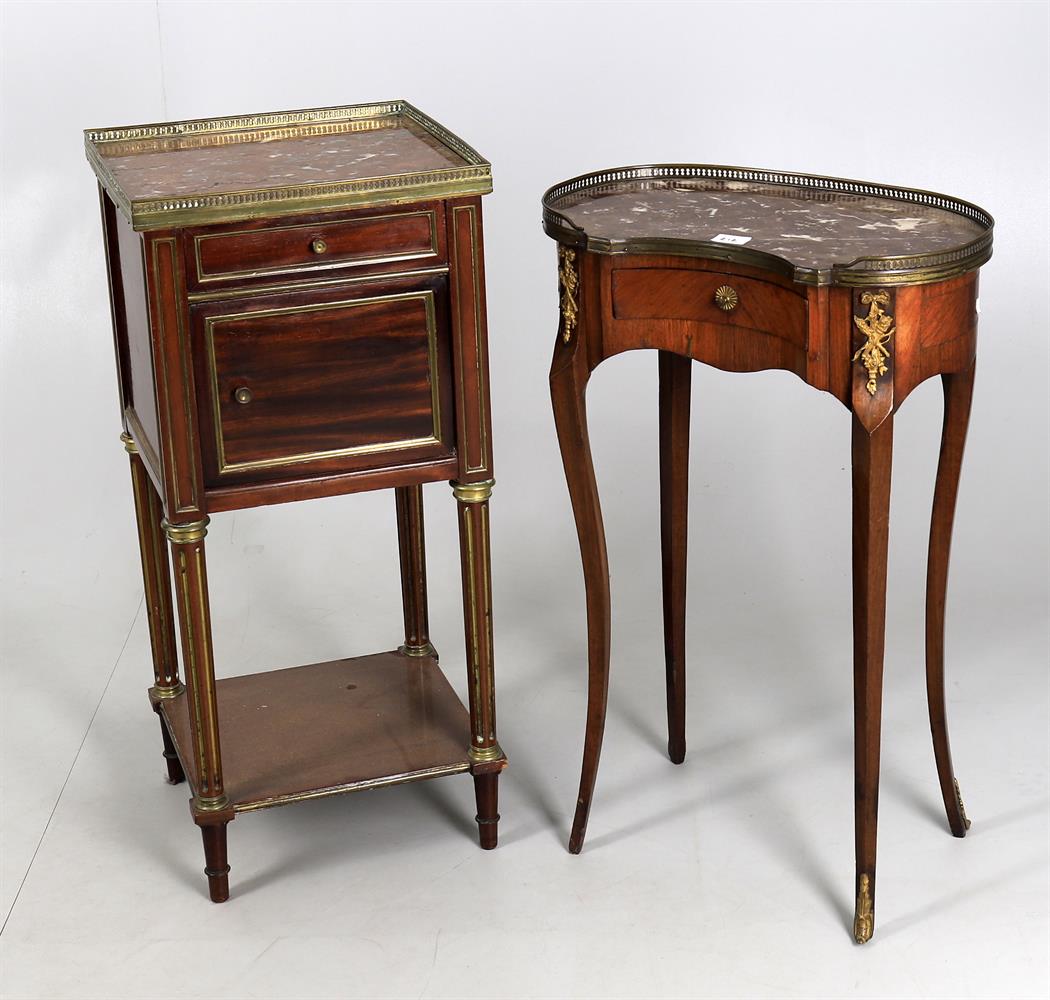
(864,921)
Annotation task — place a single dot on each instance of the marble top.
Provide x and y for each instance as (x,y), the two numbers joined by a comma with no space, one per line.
(814,229)
(230,167)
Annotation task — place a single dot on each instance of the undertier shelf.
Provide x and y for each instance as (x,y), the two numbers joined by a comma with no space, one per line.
(329,728)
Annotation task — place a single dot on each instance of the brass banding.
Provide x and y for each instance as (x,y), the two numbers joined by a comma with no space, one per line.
(173,691)
(473,492)
(908,269)
(484,755)
(426,649)
(184,534)
(471,177)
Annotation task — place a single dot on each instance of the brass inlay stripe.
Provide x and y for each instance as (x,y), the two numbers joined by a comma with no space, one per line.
(215,779)
(487,577)
(211,322)
(295,286)
(159,340)
(477,723)
(324,264)
(353,786)
(191,670)
(483,434)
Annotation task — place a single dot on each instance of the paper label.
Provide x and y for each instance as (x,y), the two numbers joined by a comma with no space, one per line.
(728,238)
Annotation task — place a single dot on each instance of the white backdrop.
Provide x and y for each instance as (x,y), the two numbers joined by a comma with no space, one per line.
(731,877)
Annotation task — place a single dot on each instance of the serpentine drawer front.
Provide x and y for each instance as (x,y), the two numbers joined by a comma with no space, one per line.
(319,247)
(355,378)
(299,312)
(862,291)
(732,322)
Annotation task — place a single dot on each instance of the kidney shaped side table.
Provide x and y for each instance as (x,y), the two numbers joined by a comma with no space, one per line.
(299,311)
(862,291)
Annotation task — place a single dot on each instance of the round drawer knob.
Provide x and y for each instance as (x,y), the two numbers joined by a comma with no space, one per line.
(243,394)
(726,298)
(318,245)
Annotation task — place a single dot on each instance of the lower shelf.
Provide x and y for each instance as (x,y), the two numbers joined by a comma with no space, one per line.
(329,728)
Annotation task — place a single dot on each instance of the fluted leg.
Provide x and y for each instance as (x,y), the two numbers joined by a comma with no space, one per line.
(411,544)
(958,393)
(210,805)
(156,583)
(675,380)
(486,757)
(568,385)
(872,460)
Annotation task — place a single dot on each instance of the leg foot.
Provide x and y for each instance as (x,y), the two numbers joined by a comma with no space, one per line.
(215,865)
(486,792)
(864,918)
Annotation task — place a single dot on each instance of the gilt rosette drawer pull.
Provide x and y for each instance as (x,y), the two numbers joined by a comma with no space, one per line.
(243,394)
(726,298)
(318,245)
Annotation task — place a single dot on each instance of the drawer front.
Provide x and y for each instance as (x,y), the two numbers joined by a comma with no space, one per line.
(345,382)
(265,251)
(724,300)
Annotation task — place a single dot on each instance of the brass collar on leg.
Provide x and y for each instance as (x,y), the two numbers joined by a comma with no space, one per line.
(184,534)
(482,755)
(473,492)
(427,649)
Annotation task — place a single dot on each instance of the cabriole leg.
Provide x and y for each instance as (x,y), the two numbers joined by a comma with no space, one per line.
(486,757)
(568,382)
(209,805)
(156,582)
(872,459)
(958,393)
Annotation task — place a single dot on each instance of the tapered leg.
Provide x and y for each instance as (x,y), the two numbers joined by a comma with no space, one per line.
(215,865)
(872,460)
(958,393)
(485,755)
(410,535)
(156,583)
(568,386)
(210,805)
(675,382)
(486,794)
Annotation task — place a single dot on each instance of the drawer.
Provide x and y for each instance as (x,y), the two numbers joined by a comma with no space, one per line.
(294,385)
(725,300)
(324,245)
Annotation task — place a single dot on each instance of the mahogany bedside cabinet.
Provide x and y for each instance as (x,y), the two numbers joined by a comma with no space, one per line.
(861,290)
(299,311)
